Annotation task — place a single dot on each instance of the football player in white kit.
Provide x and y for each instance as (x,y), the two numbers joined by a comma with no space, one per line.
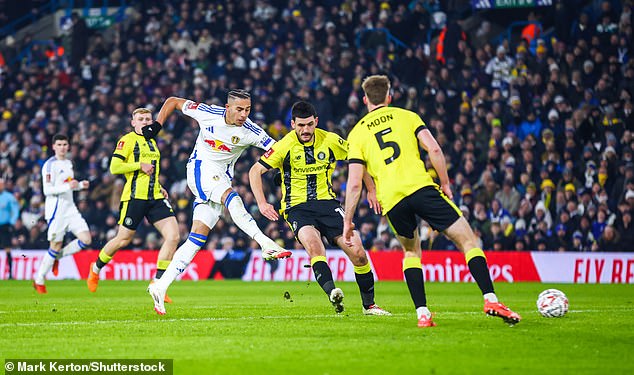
(58,180)
(224,134)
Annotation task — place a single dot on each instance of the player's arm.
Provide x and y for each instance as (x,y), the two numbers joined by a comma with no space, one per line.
(48,185)
(255,181)
(429,144)
(373,201)
(172,103)
(152,130)
(119,163)
(353,192)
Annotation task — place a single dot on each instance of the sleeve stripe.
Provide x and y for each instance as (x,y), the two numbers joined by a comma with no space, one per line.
(118,156)
(356,161)
(265,164)
(420,128)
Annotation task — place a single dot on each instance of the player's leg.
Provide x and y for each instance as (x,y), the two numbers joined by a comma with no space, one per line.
(79,228)
(244,221)
(462,235)
(123,237)
(47,264)
(162,217)
(205,217)
(57,228)
(362,273)
(310,238)
(131,213)
(403,221)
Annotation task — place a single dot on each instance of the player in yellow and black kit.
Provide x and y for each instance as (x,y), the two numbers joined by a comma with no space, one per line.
(137,157)
(306,158)
(385,142)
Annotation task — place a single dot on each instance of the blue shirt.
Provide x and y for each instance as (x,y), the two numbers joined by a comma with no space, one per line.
(9,208)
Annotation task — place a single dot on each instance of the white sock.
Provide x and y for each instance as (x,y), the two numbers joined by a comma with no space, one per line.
(46,265)
(182,257)
(491,297)
(72,248)
(423,310)
(243,219)
(95,269)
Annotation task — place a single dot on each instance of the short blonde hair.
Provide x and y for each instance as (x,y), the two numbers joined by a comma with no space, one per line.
(141,110)
(376,88)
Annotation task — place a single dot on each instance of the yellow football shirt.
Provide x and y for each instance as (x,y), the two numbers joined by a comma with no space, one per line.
(385,141)
(306,167)
(132,150)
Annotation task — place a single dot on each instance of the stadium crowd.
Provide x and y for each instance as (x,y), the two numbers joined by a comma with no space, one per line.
(538,135)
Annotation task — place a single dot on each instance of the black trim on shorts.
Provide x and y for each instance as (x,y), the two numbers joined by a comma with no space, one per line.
(428,203)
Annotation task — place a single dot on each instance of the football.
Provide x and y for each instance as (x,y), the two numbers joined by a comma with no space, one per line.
(552,303)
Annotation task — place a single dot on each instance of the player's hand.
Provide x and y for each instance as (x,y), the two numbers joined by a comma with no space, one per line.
(164,192)
(84,184)
(152,130)
(269,211)
(446,188)
(374,203)
(73,184)
(146,168)
(348,232)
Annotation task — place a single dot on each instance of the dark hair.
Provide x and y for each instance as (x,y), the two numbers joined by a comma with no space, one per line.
(238,94)
(302,109)
(60,137)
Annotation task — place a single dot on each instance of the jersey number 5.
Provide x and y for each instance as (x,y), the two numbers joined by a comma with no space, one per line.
(389,144)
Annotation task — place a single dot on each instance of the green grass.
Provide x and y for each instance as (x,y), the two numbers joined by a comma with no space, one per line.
(233,327)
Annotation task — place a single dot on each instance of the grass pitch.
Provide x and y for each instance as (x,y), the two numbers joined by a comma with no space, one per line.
(234,327)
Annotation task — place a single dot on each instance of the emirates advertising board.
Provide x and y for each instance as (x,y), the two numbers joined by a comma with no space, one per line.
(438,266)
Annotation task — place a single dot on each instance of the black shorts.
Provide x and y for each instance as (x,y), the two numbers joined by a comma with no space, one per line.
(428,203)
(133,211)
(5,236)
(325,215)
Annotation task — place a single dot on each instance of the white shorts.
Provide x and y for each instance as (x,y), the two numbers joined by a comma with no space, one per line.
(73,223)
(207,212)
(207,184)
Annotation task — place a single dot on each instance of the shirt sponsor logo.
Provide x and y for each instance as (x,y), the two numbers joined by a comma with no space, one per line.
(218,145)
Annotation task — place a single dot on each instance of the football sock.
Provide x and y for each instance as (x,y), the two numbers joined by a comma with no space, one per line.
(413,271)
(365,280)
(477,263)
(243,219)
(323,275)
(182,257)
(101,262)
(161,266)
(72,247)
(46,265)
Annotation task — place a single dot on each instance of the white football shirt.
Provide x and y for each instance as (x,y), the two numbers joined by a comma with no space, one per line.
(56,175)
(219,145)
